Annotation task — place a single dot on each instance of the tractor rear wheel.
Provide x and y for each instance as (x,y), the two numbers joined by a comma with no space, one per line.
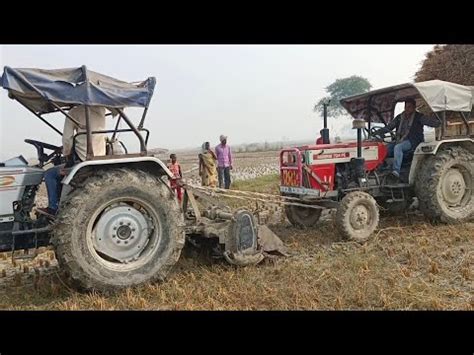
(120,228)
(302,217)
(444,186)
(357,216)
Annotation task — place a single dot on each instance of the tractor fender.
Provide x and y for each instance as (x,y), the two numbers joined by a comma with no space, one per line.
(431,148)
(152,164)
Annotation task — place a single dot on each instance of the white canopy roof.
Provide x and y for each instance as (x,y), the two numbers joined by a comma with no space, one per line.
(446,96)
(438,95)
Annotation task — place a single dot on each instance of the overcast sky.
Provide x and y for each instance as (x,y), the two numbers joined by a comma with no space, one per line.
(252,93)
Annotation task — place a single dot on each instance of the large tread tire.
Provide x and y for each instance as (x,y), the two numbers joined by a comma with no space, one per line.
(82,269)
(302,217)
(349,208)
(429,180)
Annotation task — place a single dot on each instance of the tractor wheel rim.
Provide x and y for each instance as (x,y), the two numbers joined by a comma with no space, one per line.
(123,233)
(454,187)
(360,217)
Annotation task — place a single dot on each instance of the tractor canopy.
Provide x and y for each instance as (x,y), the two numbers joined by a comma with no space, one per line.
(39,88)
(379,105)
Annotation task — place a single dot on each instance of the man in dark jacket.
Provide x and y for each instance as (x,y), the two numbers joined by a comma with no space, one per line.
(409,132)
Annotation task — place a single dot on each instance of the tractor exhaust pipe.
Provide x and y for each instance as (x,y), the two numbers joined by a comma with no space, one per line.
(325,130)
(359,143)
(358,164)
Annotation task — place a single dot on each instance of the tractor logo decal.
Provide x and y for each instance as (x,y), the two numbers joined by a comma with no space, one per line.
(289,178)
(341,155)
(7,180)
(331,156)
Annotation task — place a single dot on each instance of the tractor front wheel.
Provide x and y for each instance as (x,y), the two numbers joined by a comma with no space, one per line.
(302,217)
(357,216)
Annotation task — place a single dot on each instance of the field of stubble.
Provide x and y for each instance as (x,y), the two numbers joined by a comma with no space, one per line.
(408,264)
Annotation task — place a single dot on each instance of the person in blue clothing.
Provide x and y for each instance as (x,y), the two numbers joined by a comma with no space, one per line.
(409,133)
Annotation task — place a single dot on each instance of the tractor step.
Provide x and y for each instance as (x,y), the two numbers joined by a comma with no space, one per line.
(397,191)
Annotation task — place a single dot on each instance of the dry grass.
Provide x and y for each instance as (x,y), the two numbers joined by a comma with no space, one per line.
(409,264)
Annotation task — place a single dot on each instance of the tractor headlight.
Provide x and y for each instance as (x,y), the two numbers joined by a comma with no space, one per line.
(427,148)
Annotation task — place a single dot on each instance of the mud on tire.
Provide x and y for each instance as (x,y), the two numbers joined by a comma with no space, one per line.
(85,268)
(302,217)
(444,186)
(357,216)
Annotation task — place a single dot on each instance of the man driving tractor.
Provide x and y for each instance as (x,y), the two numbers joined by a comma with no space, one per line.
(74,151)
(409,133)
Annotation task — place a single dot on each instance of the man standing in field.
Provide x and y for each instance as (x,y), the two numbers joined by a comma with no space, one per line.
(224,162)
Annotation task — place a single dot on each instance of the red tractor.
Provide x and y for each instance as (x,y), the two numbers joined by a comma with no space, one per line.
(355,177)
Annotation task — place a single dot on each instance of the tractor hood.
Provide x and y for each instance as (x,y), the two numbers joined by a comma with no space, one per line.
(379,105)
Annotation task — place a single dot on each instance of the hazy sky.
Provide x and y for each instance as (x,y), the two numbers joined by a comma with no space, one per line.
(252,93)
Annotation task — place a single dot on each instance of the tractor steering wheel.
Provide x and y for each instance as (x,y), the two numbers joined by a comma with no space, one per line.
(376,133)
(55,157)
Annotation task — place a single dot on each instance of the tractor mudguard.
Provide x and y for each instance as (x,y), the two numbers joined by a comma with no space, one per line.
(131,161)
(431,148)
